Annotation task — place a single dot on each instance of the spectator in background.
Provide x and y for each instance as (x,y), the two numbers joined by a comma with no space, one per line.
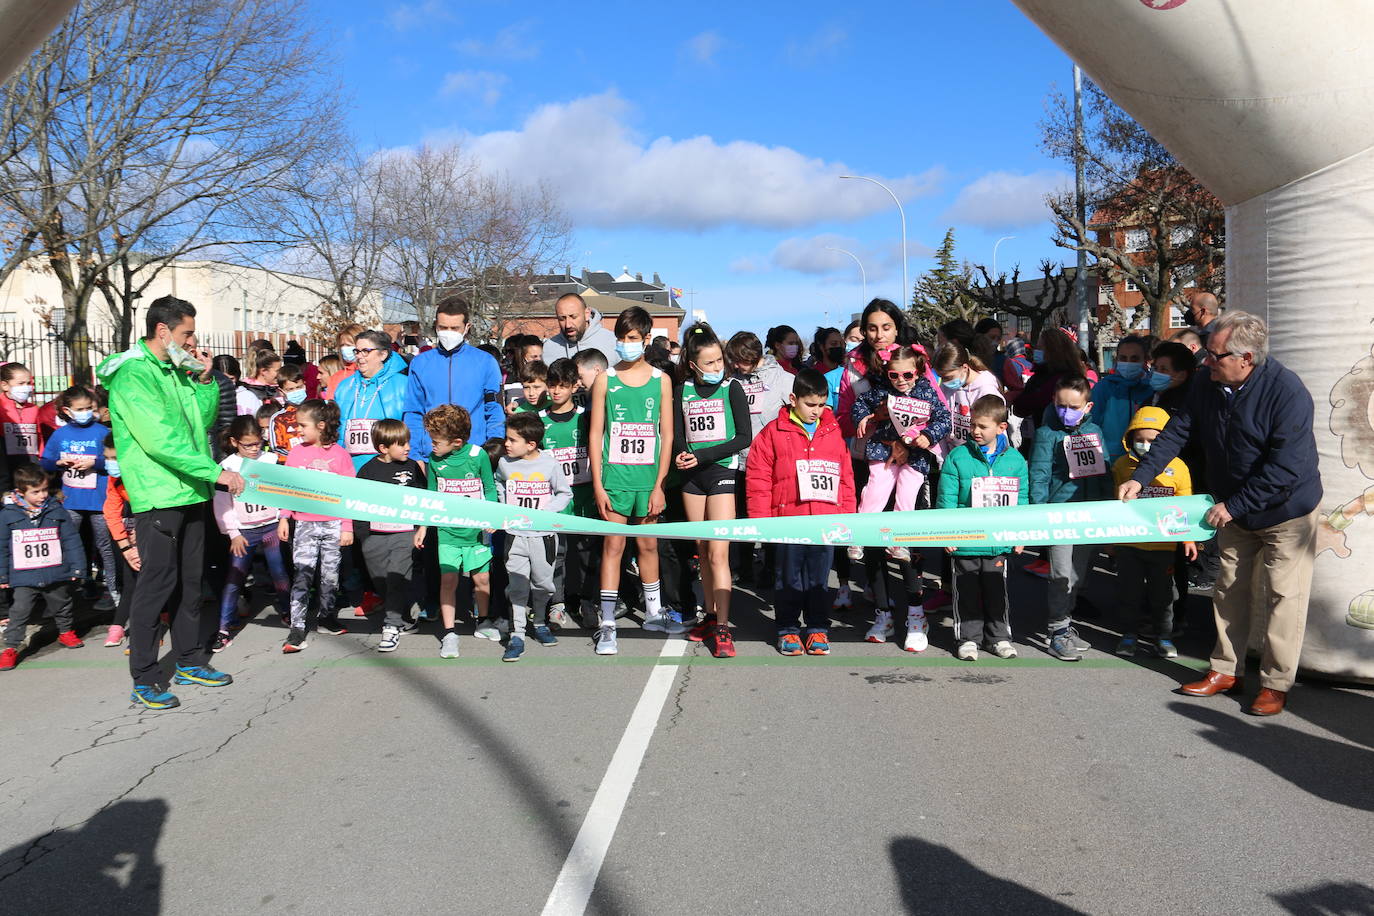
(579,328)
(454,372)
(330,365)
(1189,338)
(259,385)
(347,352)
(992,330)
(224,369)
(295,355)
(1203,310)
(1054,358)
(827,352)
(783,343)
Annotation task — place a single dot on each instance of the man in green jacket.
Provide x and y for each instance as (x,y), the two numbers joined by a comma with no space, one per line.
(162,403)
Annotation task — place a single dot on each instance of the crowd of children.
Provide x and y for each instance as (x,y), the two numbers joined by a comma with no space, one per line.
(875,421)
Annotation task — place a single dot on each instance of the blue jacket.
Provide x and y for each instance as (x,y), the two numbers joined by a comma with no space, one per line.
(467,377)
(79,440)
(1115,401)
(1261,454)
(1049,465)
(53,515)
(381,397)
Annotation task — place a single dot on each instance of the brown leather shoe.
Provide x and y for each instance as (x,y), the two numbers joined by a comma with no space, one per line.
(1213,684)
(1268,702)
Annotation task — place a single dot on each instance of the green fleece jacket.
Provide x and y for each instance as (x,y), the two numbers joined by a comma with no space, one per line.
(161,418)
(967,462)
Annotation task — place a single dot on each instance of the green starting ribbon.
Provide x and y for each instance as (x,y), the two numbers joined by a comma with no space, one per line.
(1107,522)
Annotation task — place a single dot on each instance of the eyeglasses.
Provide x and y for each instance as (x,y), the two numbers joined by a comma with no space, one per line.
(901,376)
(363,351)
(1218,357)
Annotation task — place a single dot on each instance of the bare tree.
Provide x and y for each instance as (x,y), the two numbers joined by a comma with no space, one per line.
(1043,303)
(207,103)
(1175,227)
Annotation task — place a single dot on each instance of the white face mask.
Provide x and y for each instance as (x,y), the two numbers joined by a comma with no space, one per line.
(1141,448)
(180,356)
(21,393)
(789,351)
(450,340)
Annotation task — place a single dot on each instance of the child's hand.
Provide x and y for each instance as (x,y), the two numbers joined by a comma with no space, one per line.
(84,463)
(346,539)
(923,442)
(1017,549)
(284,531)
(419,540)
(865,426)
(1190,550)
(657,503)
(603,503)
(952,549)
(685,461)
(238,546)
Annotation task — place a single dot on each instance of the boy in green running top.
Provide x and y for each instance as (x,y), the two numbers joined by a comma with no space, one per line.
(566,430)
(631,435)
(457,467)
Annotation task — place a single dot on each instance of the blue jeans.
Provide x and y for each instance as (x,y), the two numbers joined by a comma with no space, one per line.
(803,580)
(263,537)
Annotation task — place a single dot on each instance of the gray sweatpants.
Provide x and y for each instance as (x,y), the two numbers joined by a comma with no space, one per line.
(529,567)
(1146,586)
(390,563)
(1069,564)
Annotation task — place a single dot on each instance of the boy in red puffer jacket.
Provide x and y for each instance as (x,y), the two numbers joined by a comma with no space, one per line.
(799,465)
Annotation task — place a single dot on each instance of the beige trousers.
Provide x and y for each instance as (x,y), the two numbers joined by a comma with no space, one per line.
(1273,565)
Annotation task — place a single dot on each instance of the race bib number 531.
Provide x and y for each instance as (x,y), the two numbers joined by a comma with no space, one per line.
(818,481)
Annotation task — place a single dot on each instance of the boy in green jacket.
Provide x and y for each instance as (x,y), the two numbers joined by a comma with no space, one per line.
(984,472)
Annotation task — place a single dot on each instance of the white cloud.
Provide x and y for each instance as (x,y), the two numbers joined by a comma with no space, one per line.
(748,264)
(824,42)
(607,175)
(703,48)
(824,255)
(1006,200)
(511,43)
(482,84)
(406,16)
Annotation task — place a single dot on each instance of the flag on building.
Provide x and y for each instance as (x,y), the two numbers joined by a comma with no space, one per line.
(675,293)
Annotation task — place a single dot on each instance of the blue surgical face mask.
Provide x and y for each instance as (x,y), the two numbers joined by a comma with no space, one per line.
(1141,448)
(112,467)
(296,397)
(1160,380)
(629,351)
(348,354)
(1130,371)
(82,417)
(851,345)
(953,384)
(713,378)
(1038,356)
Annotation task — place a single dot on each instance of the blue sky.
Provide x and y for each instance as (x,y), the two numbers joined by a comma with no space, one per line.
(704,141)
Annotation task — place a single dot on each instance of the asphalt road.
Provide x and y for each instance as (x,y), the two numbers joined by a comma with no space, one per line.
(343,781)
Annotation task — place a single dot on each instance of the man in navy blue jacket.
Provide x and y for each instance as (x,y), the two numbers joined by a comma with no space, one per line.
(453,372)
(1253,418)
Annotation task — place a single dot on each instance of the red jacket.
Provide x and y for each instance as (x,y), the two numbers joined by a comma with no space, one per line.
(770,477)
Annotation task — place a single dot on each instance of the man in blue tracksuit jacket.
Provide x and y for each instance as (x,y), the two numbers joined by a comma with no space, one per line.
(454,372)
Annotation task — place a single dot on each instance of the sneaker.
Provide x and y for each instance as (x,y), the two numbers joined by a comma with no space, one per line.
(69,639)
(448,647)
(201,675)
(882,628)
(789,644)
(285,618)
(487,628)
(331,625)
(1062,646)
(702,630)
(967,651)
(544,636)
(410,626)
(591,615)
(1165,648)
(514,649)
(817,643)
(105,602)
(606,642)
(844,598)
(114,636)
(669,621)
(295,642)
(900,554)
(153,697)
(916,630)
(222,641)
(428,613)
(8,659)
(558,616)
(371,601)
(1003,649)
(391,638)
(856,554)
(1039,568)
(1126,647)
(1079,643)
(722,643)
(938,600)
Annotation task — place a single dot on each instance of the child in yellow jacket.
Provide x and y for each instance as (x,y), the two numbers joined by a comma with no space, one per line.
(1146,571)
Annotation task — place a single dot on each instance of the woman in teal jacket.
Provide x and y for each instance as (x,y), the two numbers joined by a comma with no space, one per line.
(377,391)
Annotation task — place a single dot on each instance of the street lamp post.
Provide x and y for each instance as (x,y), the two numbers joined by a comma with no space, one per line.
(862,275)
(906,283)
(1005,238)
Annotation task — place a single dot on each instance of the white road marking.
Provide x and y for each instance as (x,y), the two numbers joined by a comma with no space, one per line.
(575,882)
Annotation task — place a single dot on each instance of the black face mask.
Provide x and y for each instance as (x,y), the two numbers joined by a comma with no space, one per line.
(835,354)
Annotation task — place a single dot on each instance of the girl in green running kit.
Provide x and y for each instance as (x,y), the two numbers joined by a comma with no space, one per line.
(711,429)
(630,437)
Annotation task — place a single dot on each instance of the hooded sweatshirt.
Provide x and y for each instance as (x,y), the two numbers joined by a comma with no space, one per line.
(1173,480)
(363,401)
(596,337)
(766,389)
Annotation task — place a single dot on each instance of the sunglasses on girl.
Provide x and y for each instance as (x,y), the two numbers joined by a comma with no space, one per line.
(901,376)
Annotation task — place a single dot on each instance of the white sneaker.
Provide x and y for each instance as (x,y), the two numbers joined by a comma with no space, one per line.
(391,638)
(558,616)
(916,629)
(900,554)
(606,640)
(856,553)
(843,597)
(449,647)
(967,651)
(488,628)
(1003,649)
(665,621)
(882,628)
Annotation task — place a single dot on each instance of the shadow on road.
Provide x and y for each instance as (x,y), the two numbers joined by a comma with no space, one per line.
(935,879)
(1343,712)
(1326,899)
(106,865)
(1329,769)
